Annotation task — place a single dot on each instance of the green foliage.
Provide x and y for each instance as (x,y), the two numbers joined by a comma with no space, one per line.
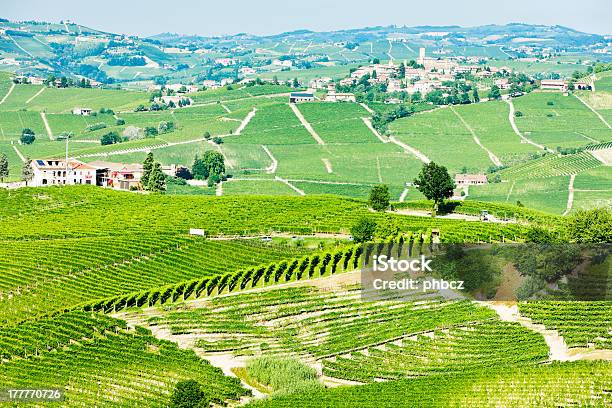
(285,375)
(591,226)
(435,183)
(96,126)
(211,166)
(495,92)
(189,394)
(4,167)
(156,180)
(379,197)
(27,173)
(147,167)
(363,230)
(27,136)
(110,138)
(151,131)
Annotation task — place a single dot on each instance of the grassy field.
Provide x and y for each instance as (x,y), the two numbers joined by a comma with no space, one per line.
(257,187)
(63,100)
(491,125)
(552,119)
(338,122)
(604,81)
(353,158)
(440,135)
(274,125)
(547,194)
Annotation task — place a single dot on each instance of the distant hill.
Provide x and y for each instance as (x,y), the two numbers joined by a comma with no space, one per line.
(70,49)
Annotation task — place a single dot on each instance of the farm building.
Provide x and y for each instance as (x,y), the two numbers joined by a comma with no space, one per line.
(333,96)
(554,85)
(49,172)
(210,84)
(581,85)
(462,180)
(320,83)
(297,97)
(123,176)
(340,97)
(81,111)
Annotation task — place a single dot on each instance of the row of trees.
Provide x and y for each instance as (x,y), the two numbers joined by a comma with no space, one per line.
(433,181)
(26,170)
(310,266)
(211,167)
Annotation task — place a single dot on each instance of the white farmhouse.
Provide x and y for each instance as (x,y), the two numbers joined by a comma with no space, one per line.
(81,111)
(49,172)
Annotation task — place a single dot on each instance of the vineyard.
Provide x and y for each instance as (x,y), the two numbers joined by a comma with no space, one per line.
(79,212)
(109,297)
(99,360)
(582,324)
(292,321)
(484,345)
(554,385)
(550,166)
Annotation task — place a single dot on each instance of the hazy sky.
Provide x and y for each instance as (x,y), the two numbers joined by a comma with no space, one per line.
(274,16)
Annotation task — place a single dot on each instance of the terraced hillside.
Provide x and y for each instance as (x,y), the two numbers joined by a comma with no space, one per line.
(97,360)
(79,292)
(555,120)
(554,183)
(582,383)
(299,326)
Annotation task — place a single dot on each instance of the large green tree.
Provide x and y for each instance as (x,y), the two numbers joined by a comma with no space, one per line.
(27,136)
(189,394)
(198,169)
(379,197)
(214,163)
(363,230)
(4,167)
(147,166)
(435,183)
(494,93)
(157,179)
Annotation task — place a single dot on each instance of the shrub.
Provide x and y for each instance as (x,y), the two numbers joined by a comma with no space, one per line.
(110,138)
(96,126)
(363,230)
(151,131)
(189,394)
(285,375)
(27,136)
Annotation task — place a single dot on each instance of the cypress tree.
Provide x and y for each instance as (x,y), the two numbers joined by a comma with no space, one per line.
(147,167)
